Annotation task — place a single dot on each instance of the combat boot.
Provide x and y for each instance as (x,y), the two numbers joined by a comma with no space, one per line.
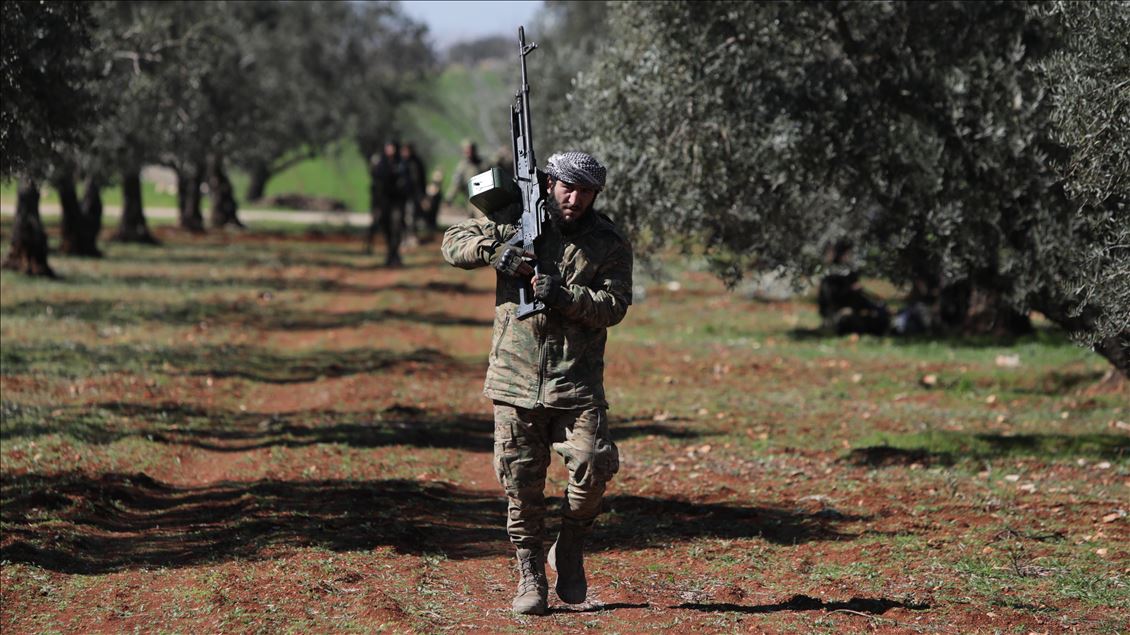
(566,556)
(533,588)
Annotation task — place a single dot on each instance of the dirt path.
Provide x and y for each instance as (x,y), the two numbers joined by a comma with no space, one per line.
(318,459)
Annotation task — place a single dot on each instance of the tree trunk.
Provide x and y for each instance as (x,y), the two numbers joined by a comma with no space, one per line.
(92,205)
(132,228)
(28,252)
(974,309)
(224,207)
(260,174)
(188,198)
(1114,348)
(79,232)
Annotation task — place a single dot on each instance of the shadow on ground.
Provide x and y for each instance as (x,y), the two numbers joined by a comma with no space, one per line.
(264,283)
(76,523)
(265,316)
(806,603)
(246,362)
(220,430)
(950,448)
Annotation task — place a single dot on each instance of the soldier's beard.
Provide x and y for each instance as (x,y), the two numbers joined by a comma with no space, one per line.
(557,216)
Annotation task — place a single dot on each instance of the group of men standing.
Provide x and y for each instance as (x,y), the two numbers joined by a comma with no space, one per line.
(404,203)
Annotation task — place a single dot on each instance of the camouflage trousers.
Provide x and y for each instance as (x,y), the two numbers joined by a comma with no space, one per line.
(522,440)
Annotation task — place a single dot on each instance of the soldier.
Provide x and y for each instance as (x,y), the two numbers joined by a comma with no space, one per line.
(844,305)
(470,165)
(414,192)
(546,373)
(388,187)
(433,197)
(503,160)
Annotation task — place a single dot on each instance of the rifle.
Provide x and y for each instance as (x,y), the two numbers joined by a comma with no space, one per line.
(526,176)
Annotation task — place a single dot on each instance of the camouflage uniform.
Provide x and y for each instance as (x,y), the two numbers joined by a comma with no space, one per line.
(465,170)
(546,373)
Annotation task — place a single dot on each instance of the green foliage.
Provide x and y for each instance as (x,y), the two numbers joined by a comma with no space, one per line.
(325,71)
(172,76)
(919,130)
(489,48)
(461,103)
(47,100)
(568,36)
(1089,80)
(386,59)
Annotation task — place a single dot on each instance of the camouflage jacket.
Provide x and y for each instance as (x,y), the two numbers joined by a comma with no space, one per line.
(554,359)
(465,170)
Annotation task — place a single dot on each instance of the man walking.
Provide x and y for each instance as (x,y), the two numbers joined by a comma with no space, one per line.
(388,193)
(416,178)
(546,373)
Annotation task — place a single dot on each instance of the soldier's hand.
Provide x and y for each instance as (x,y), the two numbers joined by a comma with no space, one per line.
(512,261)
(550,290)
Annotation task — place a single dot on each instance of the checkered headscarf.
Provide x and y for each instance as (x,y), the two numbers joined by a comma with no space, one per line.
(577,168)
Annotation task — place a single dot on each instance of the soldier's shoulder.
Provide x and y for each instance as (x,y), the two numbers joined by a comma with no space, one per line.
(606,226)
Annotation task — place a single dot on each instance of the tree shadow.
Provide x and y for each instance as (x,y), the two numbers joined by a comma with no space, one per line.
(672,519)
(197,283)
(264,316)
(288,253)
(220,430)
(646,425)
(599,608)
(440,286)
(76,523)
(949,448)
(244,362)
(799,602)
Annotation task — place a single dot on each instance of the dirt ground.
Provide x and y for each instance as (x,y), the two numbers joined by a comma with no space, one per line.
(270,433)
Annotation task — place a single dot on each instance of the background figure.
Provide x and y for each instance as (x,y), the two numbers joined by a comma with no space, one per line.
(415,184)
(388,193)
(844,306)
(504,160)
(433,198)
(470,165)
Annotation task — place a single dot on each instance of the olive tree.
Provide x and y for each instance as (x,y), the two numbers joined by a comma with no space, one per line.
(921,131)
(46,102)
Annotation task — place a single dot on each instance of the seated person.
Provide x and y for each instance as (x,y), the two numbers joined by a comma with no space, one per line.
(844,306)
